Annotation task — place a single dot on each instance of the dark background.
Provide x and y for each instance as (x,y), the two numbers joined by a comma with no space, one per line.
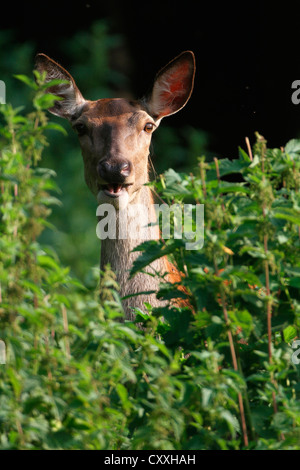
(247,57)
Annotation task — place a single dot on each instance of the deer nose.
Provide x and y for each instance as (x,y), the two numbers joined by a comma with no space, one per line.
(114,172)
(125,169)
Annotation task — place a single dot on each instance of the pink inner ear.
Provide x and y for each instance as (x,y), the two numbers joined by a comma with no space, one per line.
(176,88)
(178,79)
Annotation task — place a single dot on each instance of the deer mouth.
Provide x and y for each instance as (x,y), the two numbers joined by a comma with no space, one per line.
(114,189)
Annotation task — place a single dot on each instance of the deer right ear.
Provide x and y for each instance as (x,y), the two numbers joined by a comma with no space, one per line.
(72,98)
(173,86)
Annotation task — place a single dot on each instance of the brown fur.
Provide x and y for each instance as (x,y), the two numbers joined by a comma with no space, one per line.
(112,133)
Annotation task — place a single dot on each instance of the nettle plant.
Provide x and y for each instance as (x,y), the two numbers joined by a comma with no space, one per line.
(243,283)
(215,375)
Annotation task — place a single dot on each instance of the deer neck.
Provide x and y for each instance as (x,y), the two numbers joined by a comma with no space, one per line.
(118,254)
(118,251)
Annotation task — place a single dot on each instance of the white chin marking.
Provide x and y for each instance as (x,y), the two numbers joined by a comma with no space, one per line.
(119,202)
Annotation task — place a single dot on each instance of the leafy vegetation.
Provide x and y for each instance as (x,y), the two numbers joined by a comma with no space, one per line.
(97,50)
(243,285)
(218,375)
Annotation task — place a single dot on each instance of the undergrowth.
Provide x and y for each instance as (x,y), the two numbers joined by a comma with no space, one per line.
(218,375)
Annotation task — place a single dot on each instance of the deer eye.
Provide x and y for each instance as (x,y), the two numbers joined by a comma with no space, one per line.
(149,127)
(80,128)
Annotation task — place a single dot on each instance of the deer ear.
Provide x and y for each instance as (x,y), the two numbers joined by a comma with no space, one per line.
(72,98)
(173,86)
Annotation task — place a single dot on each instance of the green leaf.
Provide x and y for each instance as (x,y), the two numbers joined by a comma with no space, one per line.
(255,161)
(242,319)
(29,81)
(288,214)
(226,187)
(54,82)
(293,146)
(15,381)
(289,333)
(294,282)
(231,421)
(244,156)
(56,127)
(122,392)
(227,167)
(46,101)
(48,262)
(151,250)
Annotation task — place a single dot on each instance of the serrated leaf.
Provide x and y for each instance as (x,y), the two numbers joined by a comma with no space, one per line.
(47,261)
(231,421)
(55,127)
(293,146)
(54,82)
(254,162)
(227,167)
(244,155)
(29,81)
(288,214)
(289,333)
(151,250)
(46,101)
(226,187)
(294,282)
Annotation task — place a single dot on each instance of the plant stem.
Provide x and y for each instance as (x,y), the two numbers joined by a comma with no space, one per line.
(219,179)
(230,338)
(296,179)
(234,360)
(202,175)
(66,330)
(235,366)
(267,277)
(249,148)
(269,306)
(247,406)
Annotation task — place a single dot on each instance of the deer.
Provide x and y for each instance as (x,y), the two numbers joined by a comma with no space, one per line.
(115,135)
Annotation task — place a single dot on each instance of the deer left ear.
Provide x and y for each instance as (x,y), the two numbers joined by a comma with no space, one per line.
(72,99)
(173,86)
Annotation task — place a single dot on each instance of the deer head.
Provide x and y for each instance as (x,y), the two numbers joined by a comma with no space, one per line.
(115,134)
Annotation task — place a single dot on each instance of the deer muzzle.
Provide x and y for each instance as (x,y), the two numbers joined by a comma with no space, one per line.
(114,179)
